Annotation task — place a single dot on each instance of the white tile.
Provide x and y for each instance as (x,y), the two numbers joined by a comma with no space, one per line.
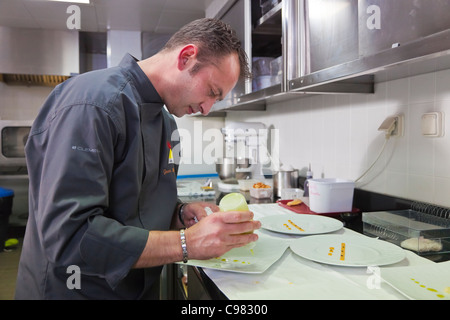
(441,193)
(420,188)
(397,92)
(443,85)
(420,148)
(397,184)
(423,88)
(442,144)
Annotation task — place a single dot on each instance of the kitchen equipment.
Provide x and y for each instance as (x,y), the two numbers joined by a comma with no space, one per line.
(309,175)
(13,137)
(226,168)
(291,193)
(13,166)
(303,208)
(284,179)
(425,233)
(241,155)
(232,169)
(38,56)
(331,195)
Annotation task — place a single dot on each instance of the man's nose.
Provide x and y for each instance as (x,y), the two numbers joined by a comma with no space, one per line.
(207,105)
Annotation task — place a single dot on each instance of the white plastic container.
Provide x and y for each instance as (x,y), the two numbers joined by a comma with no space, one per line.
(246,184)
(291,193)
(331,195)
(261,193)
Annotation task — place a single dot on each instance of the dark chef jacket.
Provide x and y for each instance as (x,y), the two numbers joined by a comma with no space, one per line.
(102,173)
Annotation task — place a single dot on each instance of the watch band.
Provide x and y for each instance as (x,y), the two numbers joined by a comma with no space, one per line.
(183,245)
(181,213)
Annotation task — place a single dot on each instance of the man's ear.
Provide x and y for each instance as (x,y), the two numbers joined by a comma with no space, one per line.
(187,54)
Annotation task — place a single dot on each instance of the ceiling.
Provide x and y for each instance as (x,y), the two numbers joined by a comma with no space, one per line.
(158,16)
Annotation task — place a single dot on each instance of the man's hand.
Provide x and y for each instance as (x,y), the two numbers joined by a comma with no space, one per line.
(196,211)
(219,232)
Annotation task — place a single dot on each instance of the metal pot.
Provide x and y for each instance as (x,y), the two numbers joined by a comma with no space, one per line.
(226,168)
(283,180)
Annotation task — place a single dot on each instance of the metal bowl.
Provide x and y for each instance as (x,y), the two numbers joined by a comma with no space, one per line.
(226,168)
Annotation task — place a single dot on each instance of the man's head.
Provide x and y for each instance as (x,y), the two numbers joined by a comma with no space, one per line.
(214,38)
(204,60)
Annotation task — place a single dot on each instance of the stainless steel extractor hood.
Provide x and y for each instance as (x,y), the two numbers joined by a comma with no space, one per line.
(37,56)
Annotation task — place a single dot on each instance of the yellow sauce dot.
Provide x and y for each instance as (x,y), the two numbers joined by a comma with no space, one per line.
(342,258)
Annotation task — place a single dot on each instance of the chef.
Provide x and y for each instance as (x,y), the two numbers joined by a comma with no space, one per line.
(103,210)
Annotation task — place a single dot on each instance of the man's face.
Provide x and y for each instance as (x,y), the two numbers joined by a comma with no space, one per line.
(198,91)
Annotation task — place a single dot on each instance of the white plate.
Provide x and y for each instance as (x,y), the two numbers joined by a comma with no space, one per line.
(300,224)
(357,251)
(255,257)
(427,282)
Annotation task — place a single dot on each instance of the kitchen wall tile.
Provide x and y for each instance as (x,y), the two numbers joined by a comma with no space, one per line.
(397,93)
(423,88)
(443,85)
(441,144)
(421,188)
(342,134)
(420,149)
(441,191)
(396,184)
(359,132)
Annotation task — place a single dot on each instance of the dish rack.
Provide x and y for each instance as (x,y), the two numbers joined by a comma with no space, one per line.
(424,228)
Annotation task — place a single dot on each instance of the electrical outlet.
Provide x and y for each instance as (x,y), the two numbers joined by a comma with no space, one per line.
(392,126)
(433,124)
(399,130)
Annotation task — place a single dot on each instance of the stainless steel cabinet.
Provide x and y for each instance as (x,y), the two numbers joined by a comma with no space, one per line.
(400,22)
(339,46)
(332,33)
(261,33)
(351,44)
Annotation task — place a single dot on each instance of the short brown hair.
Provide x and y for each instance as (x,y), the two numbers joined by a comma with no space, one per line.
(214,38)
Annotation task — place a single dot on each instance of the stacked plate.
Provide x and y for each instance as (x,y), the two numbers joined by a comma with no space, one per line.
(341,250)
(317,245)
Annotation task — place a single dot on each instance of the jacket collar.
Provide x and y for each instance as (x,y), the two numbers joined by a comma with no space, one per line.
(142,83)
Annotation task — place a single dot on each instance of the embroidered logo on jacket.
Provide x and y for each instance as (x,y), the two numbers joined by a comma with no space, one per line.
(170,152)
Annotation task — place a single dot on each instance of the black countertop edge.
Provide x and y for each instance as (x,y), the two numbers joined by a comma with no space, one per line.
(367,201)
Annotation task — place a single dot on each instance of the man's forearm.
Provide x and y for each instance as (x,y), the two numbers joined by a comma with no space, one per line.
(163,247)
